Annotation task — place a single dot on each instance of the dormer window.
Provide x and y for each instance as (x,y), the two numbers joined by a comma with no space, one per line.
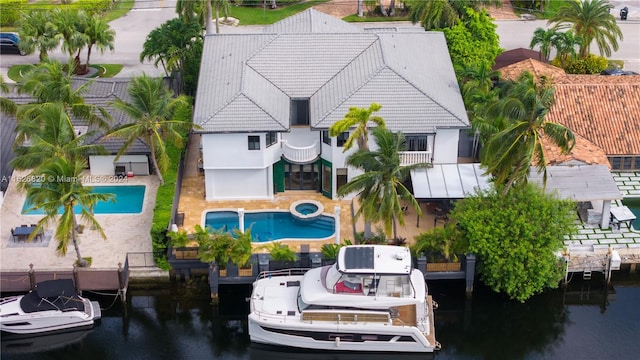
(299,112)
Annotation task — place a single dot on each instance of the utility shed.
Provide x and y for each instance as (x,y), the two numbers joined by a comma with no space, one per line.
(592,186)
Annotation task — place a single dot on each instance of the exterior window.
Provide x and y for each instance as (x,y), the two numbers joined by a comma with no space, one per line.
(254,142)
(326,178)
(637,163)
(626,163)
(342,138)
(299,112)
(417,142)
(341,177)
(272,138)
(616,162)
(326,138)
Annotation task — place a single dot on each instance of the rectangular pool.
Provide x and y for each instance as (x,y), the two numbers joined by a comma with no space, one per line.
(128,200)
(634,205)
(273,225)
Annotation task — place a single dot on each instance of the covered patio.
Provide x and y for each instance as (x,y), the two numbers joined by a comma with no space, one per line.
(591,186)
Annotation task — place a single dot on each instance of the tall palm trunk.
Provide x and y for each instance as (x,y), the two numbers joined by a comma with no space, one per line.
(360,14)
(392,7)
(155,166)
(81,262)
(209,21)
(217,17)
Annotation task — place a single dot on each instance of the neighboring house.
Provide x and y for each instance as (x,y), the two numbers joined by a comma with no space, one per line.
(602,111)
(513,56)
(266,101)
(99,92)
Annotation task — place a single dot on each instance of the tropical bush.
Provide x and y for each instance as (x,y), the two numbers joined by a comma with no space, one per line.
(281,252)
(592,64)
(440,244)
(11,11)
(330,251)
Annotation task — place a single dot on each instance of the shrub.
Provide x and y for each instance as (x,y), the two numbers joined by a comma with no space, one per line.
(592,64)
(280,252)
(11,11)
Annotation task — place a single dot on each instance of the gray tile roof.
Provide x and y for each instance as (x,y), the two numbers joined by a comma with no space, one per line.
(309,21)
(98,92)
(247,80)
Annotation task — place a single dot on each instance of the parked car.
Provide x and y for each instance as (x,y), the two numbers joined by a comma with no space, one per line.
(9,43)
(617,72)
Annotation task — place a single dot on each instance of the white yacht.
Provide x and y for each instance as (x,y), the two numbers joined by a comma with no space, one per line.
(54,305)
(371,299)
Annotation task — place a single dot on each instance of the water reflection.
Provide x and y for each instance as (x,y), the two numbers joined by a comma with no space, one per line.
(262,352)
(585,321)
(32,345)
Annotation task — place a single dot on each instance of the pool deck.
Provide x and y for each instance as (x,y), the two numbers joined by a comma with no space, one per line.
(194,206)
(126,233)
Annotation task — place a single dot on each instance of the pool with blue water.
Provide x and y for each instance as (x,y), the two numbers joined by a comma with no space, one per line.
(128,200)
(273,225)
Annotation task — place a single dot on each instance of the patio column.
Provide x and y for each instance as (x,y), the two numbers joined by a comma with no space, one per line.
(241,219)
(606,214)
(336,211)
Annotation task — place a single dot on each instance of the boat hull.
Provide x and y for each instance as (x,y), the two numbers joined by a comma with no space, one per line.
(16,322)
(380,338)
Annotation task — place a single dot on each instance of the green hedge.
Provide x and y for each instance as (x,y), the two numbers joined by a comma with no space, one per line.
(163,207)
(10,11)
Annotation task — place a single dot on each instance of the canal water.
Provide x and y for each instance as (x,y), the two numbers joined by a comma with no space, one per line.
(586,321)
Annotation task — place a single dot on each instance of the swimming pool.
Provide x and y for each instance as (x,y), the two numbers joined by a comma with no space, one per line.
(273,225)
(128,200)
(634,205)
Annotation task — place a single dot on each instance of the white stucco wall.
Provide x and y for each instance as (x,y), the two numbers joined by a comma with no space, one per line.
(238,184)
(105,164)
(445,148)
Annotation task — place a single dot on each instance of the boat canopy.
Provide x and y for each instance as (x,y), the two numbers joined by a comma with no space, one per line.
(52,295)
(374,259)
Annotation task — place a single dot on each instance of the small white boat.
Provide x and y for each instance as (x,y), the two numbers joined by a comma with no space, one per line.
(371,299)
(54,305)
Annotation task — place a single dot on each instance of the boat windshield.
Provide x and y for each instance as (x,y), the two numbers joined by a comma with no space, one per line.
(301,304)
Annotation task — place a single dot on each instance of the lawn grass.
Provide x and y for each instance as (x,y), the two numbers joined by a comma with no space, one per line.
(107,70)
(259,16)
(120,9)
(104,70)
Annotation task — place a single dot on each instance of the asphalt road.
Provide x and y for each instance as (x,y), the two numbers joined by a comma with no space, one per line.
(132,29)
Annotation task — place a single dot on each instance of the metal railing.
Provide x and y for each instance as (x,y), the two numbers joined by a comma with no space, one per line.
(285,272)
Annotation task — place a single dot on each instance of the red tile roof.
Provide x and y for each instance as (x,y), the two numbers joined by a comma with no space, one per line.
(603,110)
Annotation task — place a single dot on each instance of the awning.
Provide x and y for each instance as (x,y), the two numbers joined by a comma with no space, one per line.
(579,183)
(448,181)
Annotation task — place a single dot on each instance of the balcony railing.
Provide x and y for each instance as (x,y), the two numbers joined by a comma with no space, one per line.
(300,154)
(414,157)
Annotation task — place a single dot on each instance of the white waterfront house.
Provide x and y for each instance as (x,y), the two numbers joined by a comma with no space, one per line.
(266,101)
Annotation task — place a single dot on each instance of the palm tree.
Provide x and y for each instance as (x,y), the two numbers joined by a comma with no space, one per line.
(509,153)
(70,25)
(439,14)
(50,82)
(58,195)
(590,20)
(156,116)
(203,11)
(380,187)
(6,106)
(360,118)
(99,34)
(45,132)
(543,38)
(565,44)
(37,32)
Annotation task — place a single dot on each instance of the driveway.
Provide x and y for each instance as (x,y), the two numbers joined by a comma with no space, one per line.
(131,32)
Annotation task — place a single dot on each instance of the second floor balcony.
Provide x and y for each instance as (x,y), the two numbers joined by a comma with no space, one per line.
(300,155)
(414,157)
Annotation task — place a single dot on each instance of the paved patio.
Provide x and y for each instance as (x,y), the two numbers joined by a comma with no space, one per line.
(126,233)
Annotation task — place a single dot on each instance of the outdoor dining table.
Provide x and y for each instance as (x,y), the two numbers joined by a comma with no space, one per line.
(23,232)
(621,215)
